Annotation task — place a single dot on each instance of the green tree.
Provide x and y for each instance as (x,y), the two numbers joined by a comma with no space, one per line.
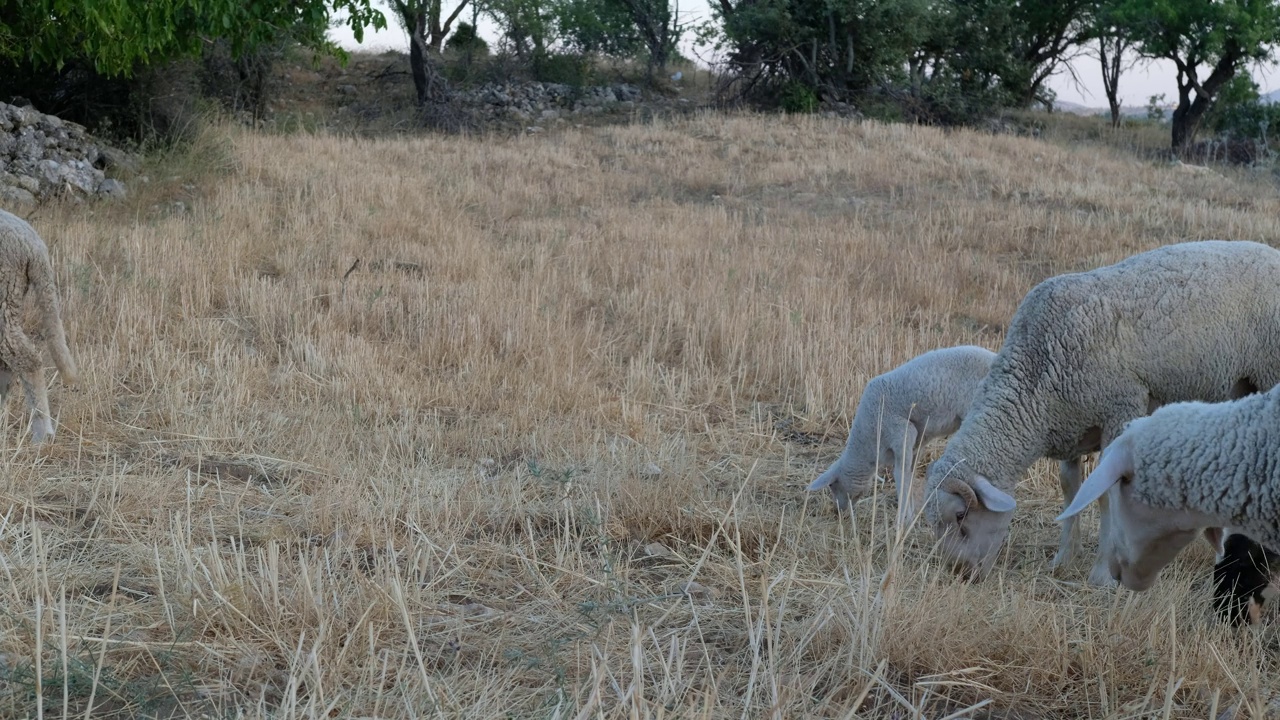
(1208,43)
(597,26)
(1240,112)
(465,40)
(621,28)
(945,59)
(1040,37)
(839,47)
(528,27)
(658,25)
(117,37)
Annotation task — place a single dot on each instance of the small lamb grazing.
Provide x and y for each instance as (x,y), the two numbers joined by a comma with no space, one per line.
(921,399)
(1243,578)
(1186,467)
(1085,353)
(24,265)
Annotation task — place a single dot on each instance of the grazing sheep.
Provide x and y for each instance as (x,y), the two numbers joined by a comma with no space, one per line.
(1186,467)
(24,265)
(1087,352)
(921,399)
(1243,578)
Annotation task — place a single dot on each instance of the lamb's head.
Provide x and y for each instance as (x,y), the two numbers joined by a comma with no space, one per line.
(839,491)
(848,483)
(1144,538)
(970,517)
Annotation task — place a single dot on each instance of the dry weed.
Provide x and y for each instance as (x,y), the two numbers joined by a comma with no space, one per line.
(520,428)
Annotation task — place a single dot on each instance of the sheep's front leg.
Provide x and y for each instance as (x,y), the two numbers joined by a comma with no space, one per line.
(1069,477)
(38,404)
(6,380)
(1217,537)
(910,493)
(1100,573)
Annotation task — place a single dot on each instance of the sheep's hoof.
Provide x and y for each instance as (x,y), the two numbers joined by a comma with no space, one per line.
(1100,576)
(1062,558)
(41,431)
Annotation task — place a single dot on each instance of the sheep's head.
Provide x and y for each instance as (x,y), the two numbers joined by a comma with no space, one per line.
(969,516)
(1144,539)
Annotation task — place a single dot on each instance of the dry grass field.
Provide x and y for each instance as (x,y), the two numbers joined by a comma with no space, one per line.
(520,427)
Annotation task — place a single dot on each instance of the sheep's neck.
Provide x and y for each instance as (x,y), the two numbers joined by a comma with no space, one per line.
(1002,437)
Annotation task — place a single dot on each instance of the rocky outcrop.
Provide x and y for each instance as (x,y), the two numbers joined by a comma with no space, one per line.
(42,156)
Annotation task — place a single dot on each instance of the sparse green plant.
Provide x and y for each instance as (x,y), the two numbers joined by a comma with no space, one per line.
(1155,110)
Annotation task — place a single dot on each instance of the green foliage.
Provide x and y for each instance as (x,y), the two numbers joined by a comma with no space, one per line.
(1240,113)
(565,68)
(465,41)
(1194,32)
(798,98)
(528,27)
(598,26)
(116,37)
(1223,36)
(842,44)
(941,60)
(1154,111)
(627,29)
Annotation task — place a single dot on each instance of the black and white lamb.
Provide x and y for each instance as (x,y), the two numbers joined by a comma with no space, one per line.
(24,265)
(921,399)
(1186,467)
(1243,578)
(1087,352)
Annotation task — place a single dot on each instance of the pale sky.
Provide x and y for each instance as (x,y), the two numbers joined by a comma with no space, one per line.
(1136,85)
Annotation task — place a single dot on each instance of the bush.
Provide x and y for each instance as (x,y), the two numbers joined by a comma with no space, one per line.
(1240,114)
(565,68)
(465,42)
(796,97)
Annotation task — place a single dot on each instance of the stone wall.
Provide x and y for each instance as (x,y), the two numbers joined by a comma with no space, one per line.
(538,101)
(42,156)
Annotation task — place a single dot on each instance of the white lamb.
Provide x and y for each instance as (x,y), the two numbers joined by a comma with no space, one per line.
(1186,467)
(24,265)
(1087,352)
(922,399)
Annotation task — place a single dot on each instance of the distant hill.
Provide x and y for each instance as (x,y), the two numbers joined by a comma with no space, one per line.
(1125,110)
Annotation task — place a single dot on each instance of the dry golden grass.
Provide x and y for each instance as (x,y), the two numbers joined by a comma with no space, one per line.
(424,487)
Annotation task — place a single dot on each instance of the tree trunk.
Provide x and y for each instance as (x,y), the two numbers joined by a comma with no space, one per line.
(1183,125)
(1189,113)
(437,31)
(427,82)
(1110,56)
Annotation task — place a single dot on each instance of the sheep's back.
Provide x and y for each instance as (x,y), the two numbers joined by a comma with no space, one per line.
(1184,322)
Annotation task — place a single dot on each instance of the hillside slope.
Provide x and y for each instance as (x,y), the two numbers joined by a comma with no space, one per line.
(513,427)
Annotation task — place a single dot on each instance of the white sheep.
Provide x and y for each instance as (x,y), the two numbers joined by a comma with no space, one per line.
(1087,352)
(921,399)
(1186,467)
(24,265)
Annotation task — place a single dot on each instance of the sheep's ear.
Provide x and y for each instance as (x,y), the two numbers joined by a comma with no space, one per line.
(1116,461)
(992,497)
(823,480)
